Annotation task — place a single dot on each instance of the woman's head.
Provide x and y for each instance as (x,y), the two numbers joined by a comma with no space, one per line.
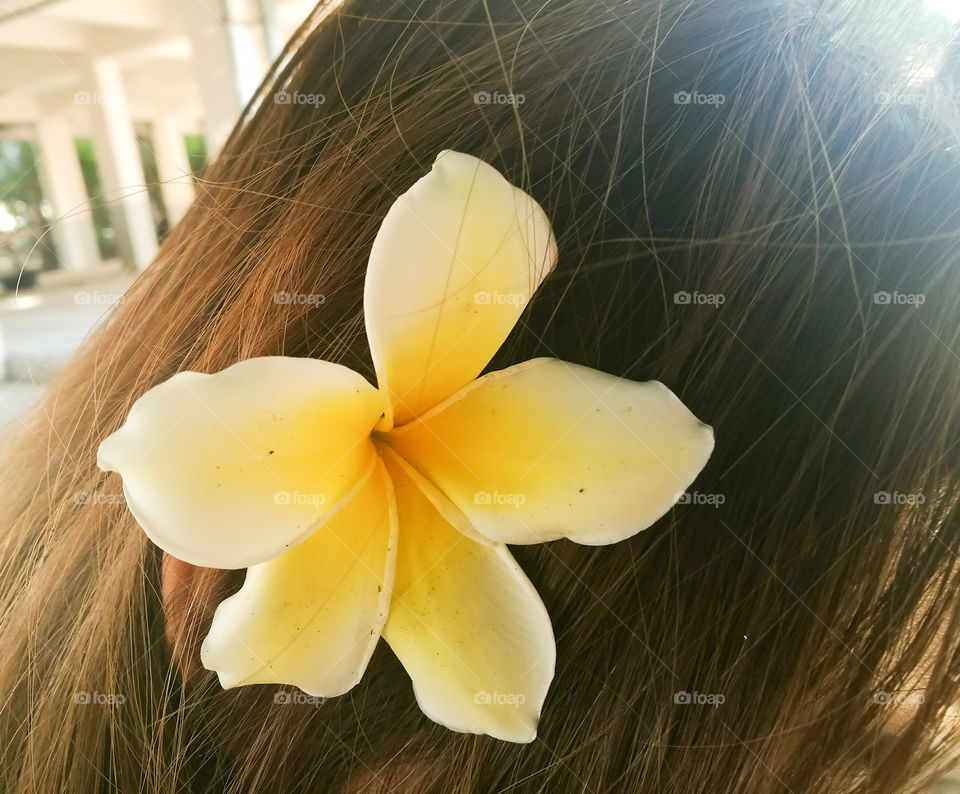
(738,214)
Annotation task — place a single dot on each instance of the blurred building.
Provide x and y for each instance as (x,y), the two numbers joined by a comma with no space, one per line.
(110,99)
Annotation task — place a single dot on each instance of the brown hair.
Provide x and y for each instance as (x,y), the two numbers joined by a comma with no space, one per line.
(738,250)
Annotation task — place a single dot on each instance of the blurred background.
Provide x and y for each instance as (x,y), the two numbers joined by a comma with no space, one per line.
(109,112)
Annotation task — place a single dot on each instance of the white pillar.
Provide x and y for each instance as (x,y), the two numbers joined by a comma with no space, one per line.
(118,159)
(173,167)
(64,189)
(230,55)
(3,358)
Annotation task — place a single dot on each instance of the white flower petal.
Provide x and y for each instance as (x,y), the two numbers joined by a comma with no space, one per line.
(467,624)
(231,469)
(454,263)
(312,616)
(547,449)
(450,512)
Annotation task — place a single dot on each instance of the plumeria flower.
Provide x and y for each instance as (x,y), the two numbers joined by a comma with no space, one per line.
(362,511)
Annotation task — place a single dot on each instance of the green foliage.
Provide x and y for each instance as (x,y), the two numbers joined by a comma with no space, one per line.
(18,172)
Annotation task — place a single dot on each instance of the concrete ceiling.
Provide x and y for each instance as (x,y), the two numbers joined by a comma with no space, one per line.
(46,44)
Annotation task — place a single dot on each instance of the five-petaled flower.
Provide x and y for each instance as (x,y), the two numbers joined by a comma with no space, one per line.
(362,512)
